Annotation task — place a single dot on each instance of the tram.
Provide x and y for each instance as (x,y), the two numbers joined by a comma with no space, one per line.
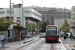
(52,33)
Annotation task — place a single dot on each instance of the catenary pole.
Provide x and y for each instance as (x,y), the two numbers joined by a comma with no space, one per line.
(10,9)
(10,37)
(64,20)
(22,16)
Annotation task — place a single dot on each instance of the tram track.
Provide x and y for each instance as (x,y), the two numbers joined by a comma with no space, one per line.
(51,46)
(27,44)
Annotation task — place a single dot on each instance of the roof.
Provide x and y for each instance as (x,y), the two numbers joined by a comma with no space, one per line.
(18,27)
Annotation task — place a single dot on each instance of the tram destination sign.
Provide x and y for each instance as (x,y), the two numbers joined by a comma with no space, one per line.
(51,27)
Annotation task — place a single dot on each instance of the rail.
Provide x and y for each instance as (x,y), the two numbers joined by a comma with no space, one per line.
(51,47)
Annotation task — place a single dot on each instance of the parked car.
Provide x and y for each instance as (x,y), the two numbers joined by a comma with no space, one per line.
(28,36)
(42,35)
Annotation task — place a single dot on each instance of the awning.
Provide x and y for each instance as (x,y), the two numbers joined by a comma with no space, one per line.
(19,27)
(73,27)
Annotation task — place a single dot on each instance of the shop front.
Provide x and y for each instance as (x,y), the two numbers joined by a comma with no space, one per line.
(18,32)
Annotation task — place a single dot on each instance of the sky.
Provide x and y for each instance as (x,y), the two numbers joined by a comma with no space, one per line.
(42,3)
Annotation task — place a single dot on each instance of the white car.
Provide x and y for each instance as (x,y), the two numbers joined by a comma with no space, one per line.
(42,35)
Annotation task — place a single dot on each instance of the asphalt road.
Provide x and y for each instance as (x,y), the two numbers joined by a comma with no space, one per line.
(41,45)
(38,44)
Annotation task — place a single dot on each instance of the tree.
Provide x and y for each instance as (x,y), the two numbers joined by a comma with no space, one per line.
(31,27)
(73,19)
(43,26)
(67,28)
(4,24)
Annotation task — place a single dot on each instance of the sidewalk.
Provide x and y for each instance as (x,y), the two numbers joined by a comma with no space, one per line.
(13,44)
(68,43)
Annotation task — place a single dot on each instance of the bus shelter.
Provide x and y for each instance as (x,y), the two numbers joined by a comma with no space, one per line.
(17,33)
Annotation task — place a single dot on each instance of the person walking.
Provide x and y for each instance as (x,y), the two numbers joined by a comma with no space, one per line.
(71,35)
(65,35)
(2,38)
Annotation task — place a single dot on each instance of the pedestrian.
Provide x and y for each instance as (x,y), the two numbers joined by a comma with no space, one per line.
(71,35)
(60,34)
(2,38)
(65,35)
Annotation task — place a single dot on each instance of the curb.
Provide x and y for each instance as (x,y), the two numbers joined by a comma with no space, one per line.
(62,44)
(69,47)
(27,41)
(22,44)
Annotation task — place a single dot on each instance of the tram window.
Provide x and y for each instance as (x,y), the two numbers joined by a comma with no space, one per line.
(51,33)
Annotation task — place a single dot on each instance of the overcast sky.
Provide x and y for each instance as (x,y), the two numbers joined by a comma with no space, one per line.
(42,3)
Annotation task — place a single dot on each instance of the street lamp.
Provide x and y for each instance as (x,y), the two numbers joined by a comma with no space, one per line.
(11,26)
(22,16)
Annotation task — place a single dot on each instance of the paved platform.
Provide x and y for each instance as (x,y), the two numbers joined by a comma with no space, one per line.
(13,44)
(68,43)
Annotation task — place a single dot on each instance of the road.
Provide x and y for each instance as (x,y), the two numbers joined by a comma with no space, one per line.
(37,44)
(41,45)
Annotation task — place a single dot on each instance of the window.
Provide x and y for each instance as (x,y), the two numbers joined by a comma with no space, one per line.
(2,12)
(7,18)
(36,14)
(17,6)
(8,11)
(51,32)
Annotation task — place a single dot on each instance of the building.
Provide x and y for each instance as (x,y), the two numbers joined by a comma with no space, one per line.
(55,16)
(72,25)
(29,16)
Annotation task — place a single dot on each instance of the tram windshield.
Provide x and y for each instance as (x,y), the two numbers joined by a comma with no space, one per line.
(51,32)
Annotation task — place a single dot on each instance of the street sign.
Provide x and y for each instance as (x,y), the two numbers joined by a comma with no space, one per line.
(18,22)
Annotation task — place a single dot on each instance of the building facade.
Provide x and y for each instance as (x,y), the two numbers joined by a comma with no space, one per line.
(72,26)
(29,15)
(55,16)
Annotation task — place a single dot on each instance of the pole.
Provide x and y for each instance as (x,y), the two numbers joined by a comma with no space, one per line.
(10,9)
(22,15)
(64,20)
(59,25)
(59,20)
(10,38)
(22,19)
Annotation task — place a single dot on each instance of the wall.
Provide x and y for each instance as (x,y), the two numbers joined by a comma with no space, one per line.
(61,21)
